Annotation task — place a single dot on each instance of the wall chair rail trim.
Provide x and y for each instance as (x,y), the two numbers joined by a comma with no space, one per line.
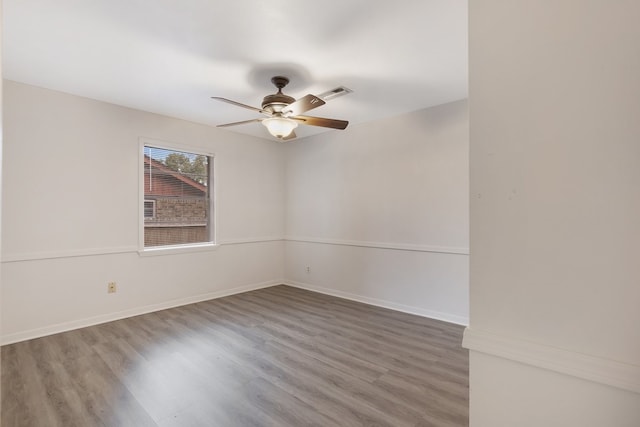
(603,371)
(382,245)
(37,256)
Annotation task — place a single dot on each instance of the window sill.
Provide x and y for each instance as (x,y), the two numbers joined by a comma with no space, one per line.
(178,249)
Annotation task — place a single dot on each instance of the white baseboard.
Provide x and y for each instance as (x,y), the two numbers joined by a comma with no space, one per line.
(104,318)
(109,317)
(432,314)
(596,369)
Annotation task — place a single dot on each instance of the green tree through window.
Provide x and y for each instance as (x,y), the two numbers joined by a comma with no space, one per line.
(195,169)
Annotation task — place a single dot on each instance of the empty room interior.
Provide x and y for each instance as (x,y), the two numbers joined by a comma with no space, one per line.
(335,214)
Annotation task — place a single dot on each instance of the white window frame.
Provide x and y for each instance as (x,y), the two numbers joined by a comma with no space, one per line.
(213,211)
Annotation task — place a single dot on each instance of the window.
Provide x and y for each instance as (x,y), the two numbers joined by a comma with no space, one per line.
(177,197)
(149,209)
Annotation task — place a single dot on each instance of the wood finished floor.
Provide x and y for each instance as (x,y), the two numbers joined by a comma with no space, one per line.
(278,356)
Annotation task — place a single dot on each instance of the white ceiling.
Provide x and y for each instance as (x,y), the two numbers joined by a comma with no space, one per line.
(169,57)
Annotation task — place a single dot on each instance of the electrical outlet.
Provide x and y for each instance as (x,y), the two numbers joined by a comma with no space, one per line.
(111,288)
(308,269)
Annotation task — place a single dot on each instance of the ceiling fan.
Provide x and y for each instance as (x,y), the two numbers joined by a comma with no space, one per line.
(283,112)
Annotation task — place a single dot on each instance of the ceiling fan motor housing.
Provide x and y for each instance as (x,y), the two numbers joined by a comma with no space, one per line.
(276,102)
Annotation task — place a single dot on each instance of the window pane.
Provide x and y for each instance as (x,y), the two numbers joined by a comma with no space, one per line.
(149,209)
(176,197)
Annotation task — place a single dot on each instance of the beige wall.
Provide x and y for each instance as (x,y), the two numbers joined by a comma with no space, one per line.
(71,214)
(385,202)
(379,212)
(555,202)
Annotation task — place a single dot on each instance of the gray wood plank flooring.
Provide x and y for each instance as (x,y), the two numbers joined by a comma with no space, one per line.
(279,356)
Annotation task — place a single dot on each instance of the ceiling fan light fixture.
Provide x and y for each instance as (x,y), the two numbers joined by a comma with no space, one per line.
(280,127)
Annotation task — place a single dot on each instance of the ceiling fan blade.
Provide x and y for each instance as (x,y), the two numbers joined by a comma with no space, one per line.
(292,135)
(303,104)
(249,107)
(321,121)
(239,123)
